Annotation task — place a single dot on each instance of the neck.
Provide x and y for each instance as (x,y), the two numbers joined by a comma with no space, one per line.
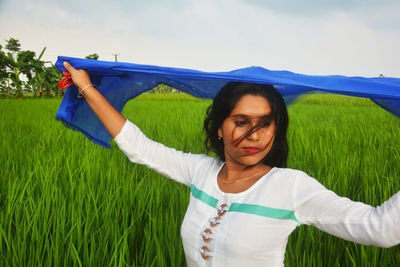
(230,172)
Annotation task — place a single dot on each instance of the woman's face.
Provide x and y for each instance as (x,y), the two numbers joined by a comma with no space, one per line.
(249,111)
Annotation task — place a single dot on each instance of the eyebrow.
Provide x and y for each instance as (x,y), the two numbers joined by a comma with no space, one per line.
(252,116)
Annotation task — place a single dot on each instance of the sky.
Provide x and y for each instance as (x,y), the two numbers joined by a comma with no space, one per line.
(318,37)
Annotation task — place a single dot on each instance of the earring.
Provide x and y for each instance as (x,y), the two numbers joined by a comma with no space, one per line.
(219,138)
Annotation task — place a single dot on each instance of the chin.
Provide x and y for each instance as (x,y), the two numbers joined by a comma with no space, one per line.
(251,161)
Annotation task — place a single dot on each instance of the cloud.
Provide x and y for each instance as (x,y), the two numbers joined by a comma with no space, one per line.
(211,35)
(318,7)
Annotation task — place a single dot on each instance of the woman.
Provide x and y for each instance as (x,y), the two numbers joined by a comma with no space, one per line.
(244,205)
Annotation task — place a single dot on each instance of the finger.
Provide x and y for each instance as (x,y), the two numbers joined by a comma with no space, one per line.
(68,66)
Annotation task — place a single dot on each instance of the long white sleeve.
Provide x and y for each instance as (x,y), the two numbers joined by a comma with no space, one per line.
(339,216)
(167,161)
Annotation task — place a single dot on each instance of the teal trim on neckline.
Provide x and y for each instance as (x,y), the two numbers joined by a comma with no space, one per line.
(203,196)
(263,211)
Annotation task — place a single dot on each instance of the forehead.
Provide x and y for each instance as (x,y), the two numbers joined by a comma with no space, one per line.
(251,105)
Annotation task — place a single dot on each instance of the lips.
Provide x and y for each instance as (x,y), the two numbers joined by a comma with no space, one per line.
(251,150)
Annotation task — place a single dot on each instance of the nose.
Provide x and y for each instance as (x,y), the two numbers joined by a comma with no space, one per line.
(256,135)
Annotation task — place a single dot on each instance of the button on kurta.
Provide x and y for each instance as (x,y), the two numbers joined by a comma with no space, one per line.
(205,252)
(207,235)
(223,209)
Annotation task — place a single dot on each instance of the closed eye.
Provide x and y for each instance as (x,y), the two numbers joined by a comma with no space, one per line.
(240,122)
(266,124)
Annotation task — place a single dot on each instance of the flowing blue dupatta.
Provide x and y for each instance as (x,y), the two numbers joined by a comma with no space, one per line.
(119,82)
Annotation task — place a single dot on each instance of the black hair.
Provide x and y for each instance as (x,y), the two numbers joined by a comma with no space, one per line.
(222,106)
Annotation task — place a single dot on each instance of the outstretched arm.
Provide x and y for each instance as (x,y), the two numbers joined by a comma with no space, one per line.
(108,115)
(353,221)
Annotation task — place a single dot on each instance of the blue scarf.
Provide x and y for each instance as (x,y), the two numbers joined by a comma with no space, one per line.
(119,82)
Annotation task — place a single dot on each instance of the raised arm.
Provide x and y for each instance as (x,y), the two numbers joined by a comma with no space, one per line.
(136,146)
(108,115)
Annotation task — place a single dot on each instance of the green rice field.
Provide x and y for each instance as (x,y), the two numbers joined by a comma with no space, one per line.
(65,201)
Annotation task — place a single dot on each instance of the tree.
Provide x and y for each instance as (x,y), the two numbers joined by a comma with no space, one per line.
(93,56)
(162,89)
(13,45)
(3,72)
(12,66)
(50,77)
(22,72)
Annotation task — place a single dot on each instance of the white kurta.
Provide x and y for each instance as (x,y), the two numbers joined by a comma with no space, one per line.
(251,228)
